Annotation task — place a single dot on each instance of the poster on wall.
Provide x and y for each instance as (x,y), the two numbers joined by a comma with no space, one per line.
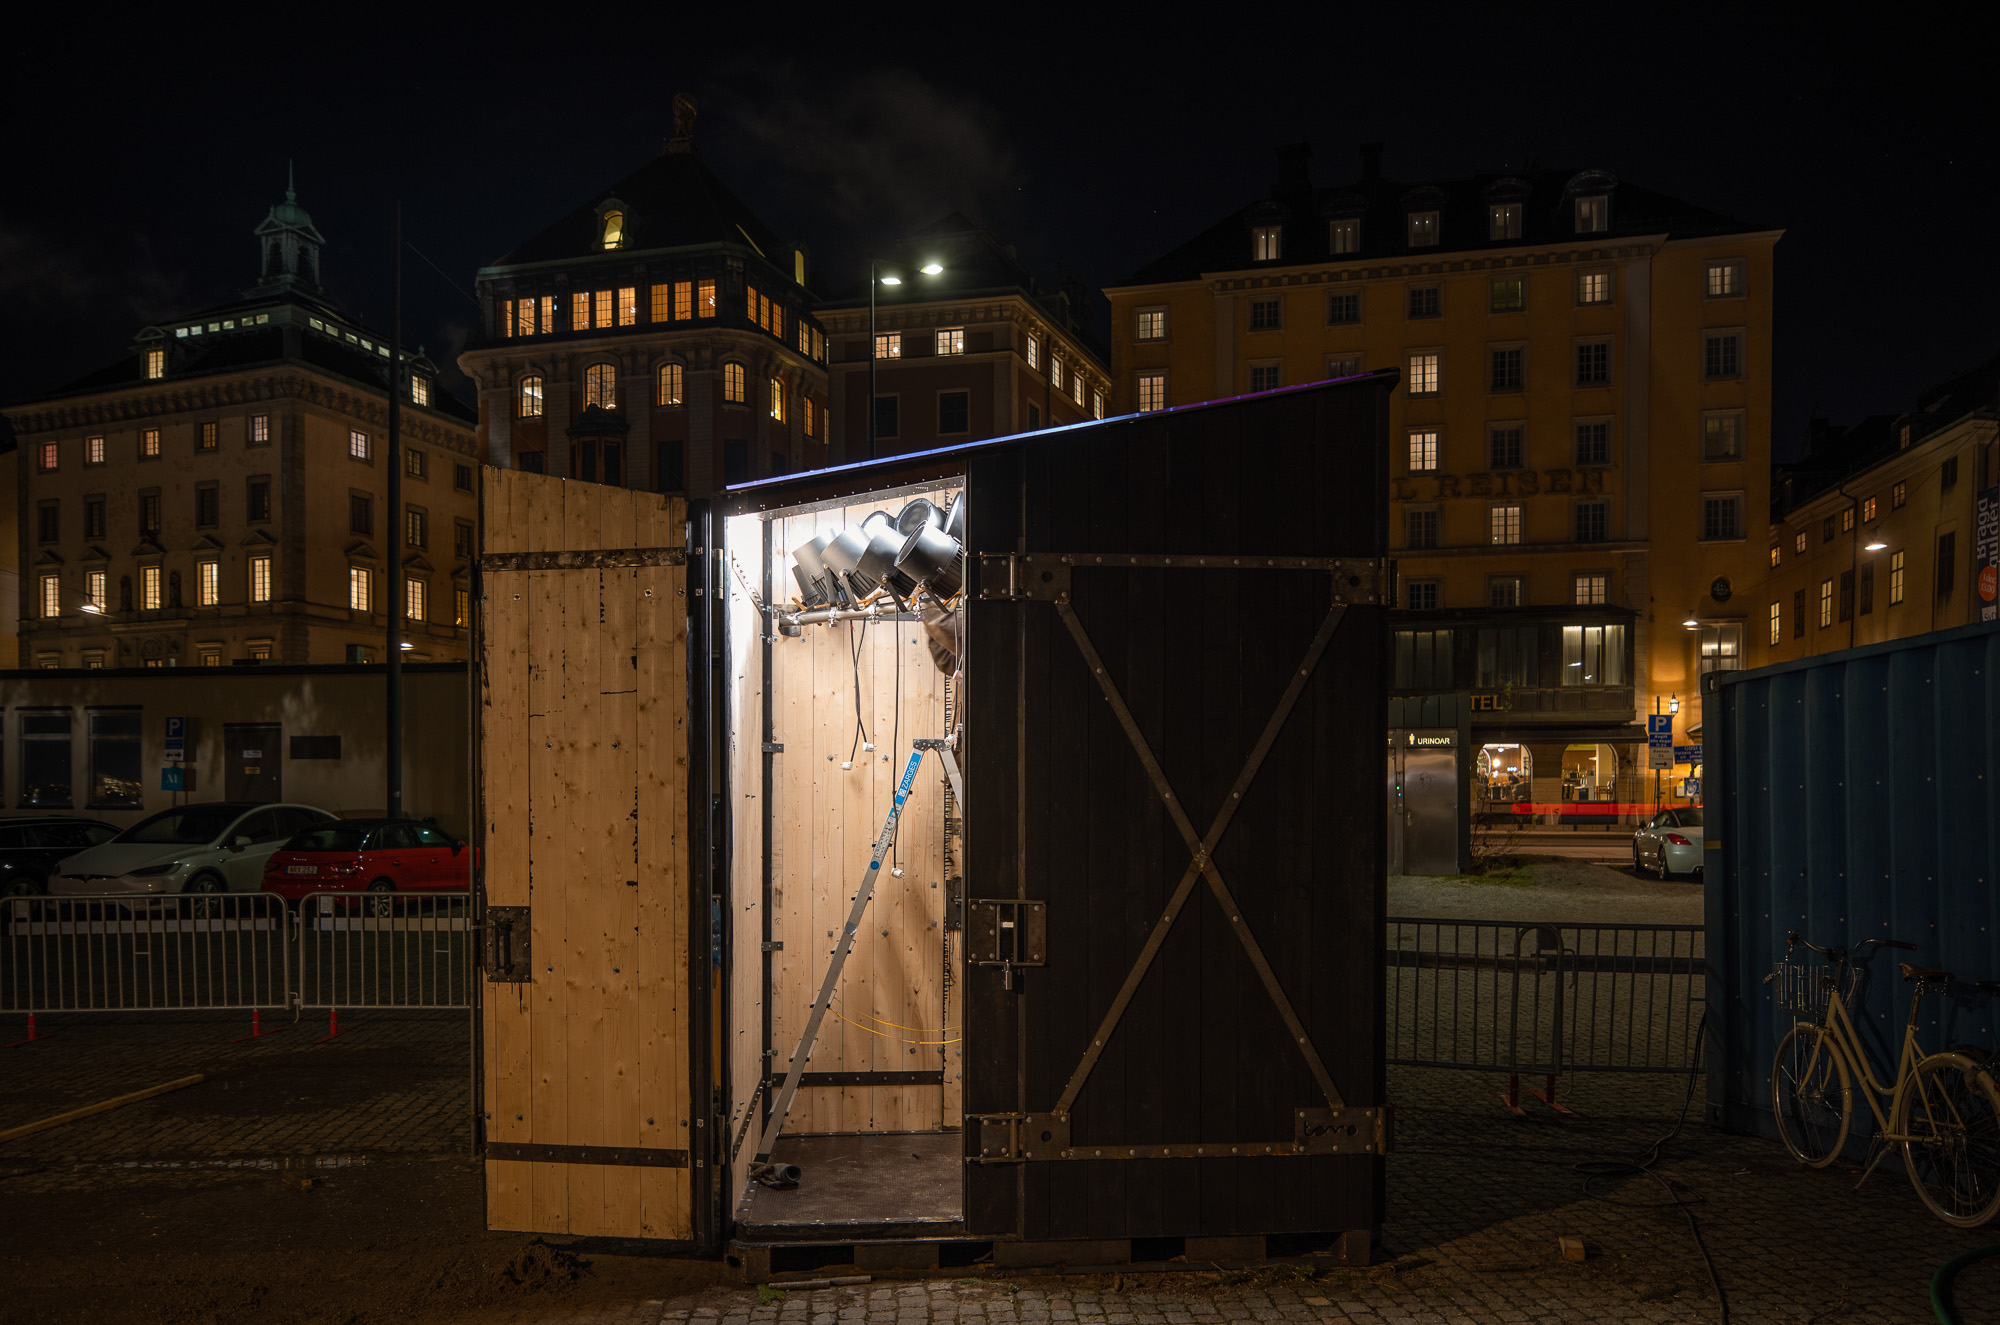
(1986,552)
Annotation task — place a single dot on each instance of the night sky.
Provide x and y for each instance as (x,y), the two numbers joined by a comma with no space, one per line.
(139,160)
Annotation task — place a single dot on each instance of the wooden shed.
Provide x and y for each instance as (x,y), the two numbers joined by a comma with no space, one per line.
(1088,824)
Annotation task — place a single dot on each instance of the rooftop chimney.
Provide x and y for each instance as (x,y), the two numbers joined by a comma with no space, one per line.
(1294,170)
(1371,160)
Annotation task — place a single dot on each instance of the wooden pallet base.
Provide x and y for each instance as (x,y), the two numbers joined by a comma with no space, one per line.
(773,1262)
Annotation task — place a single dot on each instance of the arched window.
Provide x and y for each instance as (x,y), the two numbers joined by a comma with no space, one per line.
(778,399)
(669,392)
(600,386)
(528,399)
(614,230)
(733,384)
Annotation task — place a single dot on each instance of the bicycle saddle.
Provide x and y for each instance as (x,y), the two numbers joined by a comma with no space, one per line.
(1921,973)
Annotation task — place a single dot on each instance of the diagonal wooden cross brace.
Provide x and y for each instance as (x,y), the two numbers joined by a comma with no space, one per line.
(1201,857)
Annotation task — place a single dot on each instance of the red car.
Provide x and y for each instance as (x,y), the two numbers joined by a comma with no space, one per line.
(369,855)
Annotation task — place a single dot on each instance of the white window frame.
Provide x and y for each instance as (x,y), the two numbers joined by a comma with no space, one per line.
(1150,324)
(1702,534)
(1152,392)
(888,345)
(1742,340)
(93,450)
(950,340)
(259,577)
(1594,287)
(1423,450)
(208,582)
(1590,588)
(1710,417)
(1424,372)
(360,589)
(1593,213)
(1576,363)
(1034,354)
(1343,235)
(360,446)
(1723,278)
(1267,243)
(1503,524)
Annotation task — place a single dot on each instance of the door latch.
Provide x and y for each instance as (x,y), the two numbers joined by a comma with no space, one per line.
(1006,932)
(505,946)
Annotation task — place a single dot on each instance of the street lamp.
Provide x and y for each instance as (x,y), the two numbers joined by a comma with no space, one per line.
(1876,546)
(932,268)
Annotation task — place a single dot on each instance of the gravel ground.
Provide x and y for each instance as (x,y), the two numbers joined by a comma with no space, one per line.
(1544,888)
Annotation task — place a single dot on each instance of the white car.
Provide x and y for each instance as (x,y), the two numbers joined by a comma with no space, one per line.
(214,848)
(1669,843)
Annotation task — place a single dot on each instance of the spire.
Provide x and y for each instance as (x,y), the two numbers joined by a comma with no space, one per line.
(684,111)
(288,245)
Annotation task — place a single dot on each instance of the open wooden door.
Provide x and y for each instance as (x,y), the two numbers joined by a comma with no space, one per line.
(587,1013)
(1176,889)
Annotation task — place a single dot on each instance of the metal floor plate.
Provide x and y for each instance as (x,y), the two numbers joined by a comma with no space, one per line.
(910,1184)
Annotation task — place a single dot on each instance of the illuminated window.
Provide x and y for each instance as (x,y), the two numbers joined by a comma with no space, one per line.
(359,585)
(1895,577)
(1423,229)
(614,230)
(778,320)
(1423,374)
(1590,590)
(94,589)
(1593,287)
(1152,392)
(600,386)
(704,300)
(207,583)
(1593,215)
(1423,451)
(628,306)
(1056,373)
(420,390)
(1504,524)
(210,657)
(260,651)
(951,340)
(260,578)
(579,311)
(51,597)
(524,318)
(758,316)
(668,386)
(207,437)
(149,443)
(1777,621)
(548,312)
(503,316)
(602,301)
(156,364)
(1034,352)
(1777,554)
(888,344)
(1508,296)
(1723,279)
(1898,495)
(528,399)
(1825,603)
(1097,404)
(416,528)
(1799,543)
(662,309)
(1593,655)
(260,430)
(416,599)
(1722,436)
(1344,236)
(149,588)
(733,385)
(357,444)
(1267,243)
(415,463)
(1847,521)
(461,607)
(93,450)
(49,457)
(1503,220)
(683,308)
(778,399)
(1152,324)
(808,415)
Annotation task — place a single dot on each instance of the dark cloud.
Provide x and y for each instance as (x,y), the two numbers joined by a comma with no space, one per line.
(86,280)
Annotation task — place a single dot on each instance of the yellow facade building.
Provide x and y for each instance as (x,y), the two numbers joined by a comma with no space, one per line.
(1582,436)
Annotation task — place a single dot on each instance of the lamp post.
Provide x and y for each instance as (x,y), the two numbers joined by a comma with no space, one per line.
(875,278)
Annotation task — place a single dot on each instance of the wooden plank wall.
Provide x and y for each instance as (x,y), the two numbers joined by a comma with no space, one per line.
(583,774)
(890,1013)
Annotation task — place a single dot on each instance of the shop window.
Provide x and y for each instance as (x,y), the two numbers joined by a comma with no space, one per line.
(45,761)
(115,775)
(1422,660)
(1504,773)
(1593,655)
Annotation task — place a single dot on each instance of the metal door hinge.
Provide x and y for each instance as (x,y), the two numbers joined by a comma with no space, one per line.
(774,747)
(774,945)
(504,950)
(1349,1131)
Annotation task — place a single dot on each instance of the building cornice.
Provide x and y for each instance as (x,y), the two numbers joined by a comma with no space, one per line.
(1919,457)
(497,364)
(156,400)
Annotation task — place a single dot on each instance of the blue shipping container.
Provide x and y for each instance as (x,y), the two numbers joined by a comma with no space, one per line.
(1854,795)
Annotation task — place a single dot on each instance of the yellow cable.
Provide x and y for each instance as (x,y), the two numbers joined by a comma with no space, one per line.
(914,1030)
(897,1038)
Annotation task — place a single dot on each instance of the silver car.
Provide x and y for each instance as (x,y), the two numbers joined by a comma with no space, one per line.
(214,848)
(1669,843)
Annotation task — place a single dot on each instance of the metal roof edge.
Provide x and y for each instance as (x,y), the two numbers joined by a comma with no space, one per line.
(1929,639)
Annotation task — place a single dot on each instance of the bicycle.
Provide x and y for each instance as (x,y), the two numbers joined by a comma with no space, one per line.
(1943,1108)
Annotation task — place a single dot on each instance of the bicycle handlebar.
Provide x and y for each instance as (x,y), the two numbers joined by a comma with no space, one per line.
(1793,939)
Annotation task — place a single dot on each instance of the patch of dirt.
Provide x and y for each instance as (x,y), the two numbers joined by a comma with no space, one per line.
(398,1240)
(1552,888)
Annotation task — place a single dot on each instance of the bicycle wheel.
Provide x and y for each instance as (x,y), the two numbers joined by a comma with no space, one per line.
(1812,1096)
(1950,1115)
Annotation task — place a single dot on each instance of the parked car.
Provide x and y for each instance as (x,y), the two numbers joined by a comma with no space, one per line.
(31,849)
(1670,842)
(213,848)
(369,855)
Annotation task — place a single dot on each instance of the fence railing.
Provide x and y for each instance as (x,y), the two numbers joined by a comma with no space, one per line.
(253,951)
(1543,998)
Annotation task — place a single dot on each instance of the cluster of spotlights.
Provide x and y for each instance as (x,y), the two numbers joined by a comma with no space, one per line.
(918,550)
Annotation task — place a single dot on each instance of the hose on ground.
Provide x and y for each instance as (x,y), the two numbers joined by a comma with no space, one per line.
(1941,1303)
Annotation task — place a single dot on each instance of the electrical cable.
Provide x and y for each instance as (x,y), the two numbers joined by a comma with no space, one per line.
(1594,1169)
(856,642)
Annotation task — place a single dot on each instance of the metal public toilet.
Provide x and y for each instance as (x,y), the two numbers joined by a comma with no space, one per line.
(1111,990)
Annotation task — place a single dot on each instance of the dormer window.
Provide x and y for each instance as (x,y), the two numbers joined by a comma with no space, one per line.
(1503,220)
(1343,235)
(1593,214)
(420,390)
(1267,243)
(614,230)
(1423,229)
(156,364)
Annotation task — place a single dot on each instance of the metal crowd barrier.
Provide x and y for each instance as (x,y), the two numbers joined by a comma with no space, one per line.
(384,950)
(1543,998)
(145,953)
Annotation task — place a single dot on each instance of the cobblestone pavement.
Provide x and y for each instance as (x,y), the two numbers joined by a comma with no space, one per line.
(390,1083)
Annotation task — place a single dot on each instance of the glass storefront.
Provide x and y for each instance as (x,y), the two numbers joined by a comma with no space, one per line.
(1502,775)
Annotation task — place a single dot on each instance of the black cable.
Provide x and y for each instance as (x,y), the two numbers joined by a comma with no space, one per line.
(469,296)
(1593,1169)
(857,641)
